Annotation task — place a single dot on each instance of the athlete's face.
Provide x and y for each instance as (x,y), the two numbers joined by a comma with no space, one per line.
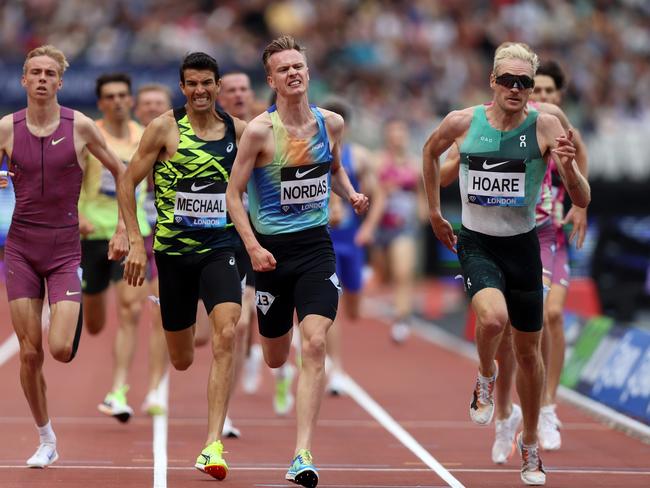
(288,73)
(396,135)
(236,96)
(41,79)
(115,101)
(545,90)
(150,104)
(514,99)
(200,89)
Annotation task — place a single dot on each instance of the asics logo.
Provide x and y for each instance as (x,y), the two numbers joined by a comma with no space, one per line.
(300,174)
(71,293)
(56,141)
(231,262)
(197,188)
(493,165)
(230,147)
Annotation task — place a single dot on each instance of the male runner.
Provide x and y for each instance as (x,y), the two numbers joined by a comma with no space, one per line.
(98,215)
(288,154)
(46,145)
(191,150)
(549,83)
(349,234)
(504,148)
(549,220)
(152,100)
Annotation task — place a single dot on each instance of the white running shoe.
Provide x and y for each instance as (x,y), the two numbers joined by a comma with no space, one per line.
(153,404)
(400,331)
(504,440)
(251,374)
(283,399)
(532,469)
(336,384)
(44,456)
(481,408)
(229,430)
(548,430)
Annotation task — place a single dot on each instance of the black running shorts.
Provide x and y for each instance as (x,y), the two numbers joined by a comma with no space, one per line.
(211,276)
(98,270)
(304,279)
(244,265)
(511,264)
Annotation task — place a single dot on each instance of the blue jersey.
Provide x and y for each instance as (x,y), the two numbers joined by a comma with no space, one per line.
(343,234)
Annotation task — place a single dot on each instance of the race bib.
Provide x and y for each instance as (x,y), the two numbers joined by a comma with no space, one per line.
(496,182)
(304,188)
(200,203)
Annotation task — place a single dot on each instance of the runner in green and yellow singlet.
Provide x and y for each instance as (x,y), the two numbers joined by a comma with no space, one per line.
(504,149)
(191,150)
(98,219)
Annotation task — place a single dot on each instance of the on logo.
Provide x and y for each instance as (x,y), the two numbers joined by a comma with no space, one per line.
(264,300)
(522,140)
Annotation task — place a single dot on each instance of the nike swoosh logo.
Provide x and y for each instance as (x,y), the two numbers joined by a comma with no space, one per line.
(300,174)
(493,165)
(56,141)
(197,188)
(71,293)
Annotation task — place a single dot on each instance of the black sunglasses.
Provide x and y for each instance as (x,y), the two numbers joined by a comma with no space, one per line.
(521,82)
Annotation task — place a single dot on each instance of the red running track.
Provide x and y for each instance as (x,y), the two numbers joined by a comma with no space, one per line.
(424,387)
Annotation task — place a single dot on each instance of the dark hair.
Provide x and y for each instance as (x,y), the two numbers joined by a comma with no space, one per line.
(282,43)
(199,61)
(552,68)
(339,106)
(111,78)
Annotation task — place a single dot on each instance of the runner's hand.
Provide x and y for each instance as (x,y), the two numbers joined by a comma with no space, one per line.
(85,226)
(444,232)
(135,264)
(565,151)
(262,260)
(365,236)
(578,217)
(4,180)
(359,203)
(118,247)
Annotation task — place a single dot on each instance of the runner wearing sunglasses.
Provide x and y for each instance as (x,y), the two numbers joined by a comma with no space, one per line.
(504,150)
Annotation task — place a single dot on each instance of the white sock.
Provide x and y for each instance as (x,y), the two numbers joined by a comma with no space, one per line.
(46,433)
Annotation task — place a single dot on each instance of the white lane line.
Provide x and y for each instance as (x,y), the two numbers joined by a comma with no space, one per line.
(366,402)
(591,472)
(8,348)
(160,437)
(437,335)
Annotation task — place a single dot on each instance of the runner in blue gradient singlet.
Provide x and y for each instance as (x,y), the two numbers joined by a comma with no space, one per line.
(45,144)
(288,153)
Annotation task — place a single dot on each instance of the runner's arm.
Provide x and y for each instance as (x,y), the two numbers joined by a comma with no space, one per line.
(251,145)
(560,146)
(151,145)
(118,246)
(340,181)
(450,167)
(450,129)
(6,134)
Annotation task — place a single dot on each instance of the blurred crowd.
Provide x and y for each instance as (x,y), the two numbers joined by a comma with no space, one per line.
(414,59)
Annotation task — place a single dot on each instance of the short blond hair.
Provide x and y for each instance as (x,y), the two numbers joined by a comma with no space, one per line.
(51,52)
(515,50)
(282,43)
(159,87)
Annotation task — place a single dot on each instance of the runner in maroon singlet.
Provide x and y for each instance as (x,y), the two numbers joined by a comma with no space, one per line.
(44,144)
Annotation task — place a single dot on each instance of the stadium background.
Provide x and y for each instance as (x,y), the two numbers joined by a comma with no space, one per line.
(412,60)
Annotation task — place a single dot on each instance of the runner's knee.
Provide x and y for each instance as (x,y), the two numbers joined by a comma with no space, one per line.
(31,356)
